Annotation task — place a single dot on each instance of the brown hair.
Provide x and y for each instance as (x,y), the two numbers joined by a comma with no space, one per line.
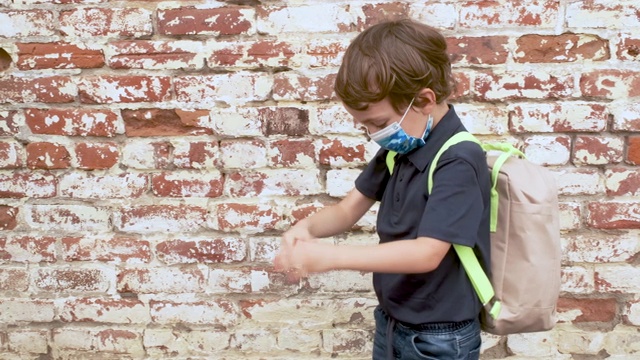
(396,59)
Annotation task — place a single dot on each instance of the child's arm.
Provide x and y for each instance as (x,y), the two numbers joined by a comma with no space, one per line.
(405,256)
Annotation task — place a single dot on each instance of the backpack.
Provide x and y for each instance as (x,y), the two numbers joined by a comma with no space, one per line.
(525,242)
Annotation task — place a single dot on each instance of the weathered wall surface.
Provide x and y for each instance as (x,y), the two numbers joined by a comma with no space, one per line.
(152,152)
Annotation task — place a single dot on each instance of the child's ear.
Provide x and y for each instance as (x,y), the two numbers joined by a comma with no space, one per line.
(425,101)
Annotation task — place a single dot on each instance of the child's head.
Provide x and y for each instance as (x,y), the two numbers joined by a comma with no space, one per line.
(395,59)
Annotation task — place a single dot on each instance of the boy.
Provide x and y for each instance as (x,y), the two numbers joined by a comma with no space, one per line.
(394,80)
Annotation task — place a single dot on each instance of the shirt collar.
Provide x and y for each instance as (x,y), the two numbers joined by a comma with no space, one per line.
(449,125)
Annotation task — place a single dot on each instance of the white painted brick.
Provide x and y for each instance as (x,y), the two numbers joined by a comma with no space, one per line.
(618,278)
(484,120)
(16,311)
(333,120)
(541,344)
(237,121)
(626,116)
(170,342)
(439,15)
(548,150)
(623,340)
(139,154)
(29,341)
(578,280)
(579,341)
(340,182)
(299,340)
(632,312)
(295,19)
(580,181)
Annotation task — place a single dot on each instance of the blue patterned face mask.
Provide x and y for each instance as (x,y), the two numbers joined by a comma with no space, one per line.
(394,138)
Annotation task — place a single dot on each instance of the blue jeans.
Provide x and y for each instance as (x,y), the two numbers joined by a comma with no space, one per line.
(441,341)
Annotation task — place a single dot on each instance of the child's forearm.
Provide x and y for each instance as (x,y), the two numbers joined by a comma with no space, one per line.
(402,257)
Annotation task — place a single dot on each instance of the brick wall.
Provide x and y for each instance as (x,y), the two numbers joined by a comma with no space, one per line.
(152,152)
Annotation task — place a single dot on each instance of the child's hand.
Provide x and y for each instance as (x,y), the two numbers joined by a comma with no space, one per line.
(302,257)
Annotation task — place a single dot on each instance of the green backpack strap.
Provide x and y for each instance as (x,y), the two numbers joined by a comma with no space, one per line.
(391,160)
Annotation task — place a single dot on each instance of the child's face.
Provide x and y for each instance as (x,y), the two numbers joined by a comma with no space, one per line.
(381,114)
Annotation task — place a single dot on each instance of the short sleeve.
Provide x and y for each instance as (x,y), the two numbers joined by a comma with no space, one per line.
(373,180)
(455,206)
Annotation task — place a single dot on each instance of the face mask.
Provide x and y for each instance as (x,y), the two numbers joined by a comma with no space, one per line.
(394,138)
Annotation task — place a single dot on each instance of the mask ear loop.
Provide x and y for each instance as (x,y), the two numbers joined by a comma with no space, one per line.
(406,111)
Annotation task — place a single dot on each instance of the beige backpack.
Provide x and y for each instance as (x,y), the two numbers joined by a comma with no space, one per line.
(525,243)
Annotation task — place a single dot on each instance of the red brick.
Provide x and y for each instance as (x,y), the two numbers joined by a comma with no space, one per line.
(51,89)
(295,87)
(196,155)
(71,279)
(305,210)
(613,215)
(60,55)
(28,249)
(610,84)
(94,156)
(11,155)
(8,217)
(516,86)
(90,22)
(215,21)
(117,249)
(160,122)
(591,310)
(597,150)
(463,86)
(482,14)
(325,53)
(8,123)
(285,121)
(45,155)
(622,181)
(628,49)
(262,53)
(72,122)
(124,89)
(144,54)
(633,150)
(252,218)
(227,250)
(23,23)
(376,13)
(334,150)
(535,48)
(27,185)
(486,50)
(292,152)
(179,184)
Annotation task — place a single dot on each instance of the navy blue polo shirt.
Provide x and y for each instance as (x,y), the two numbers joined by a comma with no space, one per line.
(457,211)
